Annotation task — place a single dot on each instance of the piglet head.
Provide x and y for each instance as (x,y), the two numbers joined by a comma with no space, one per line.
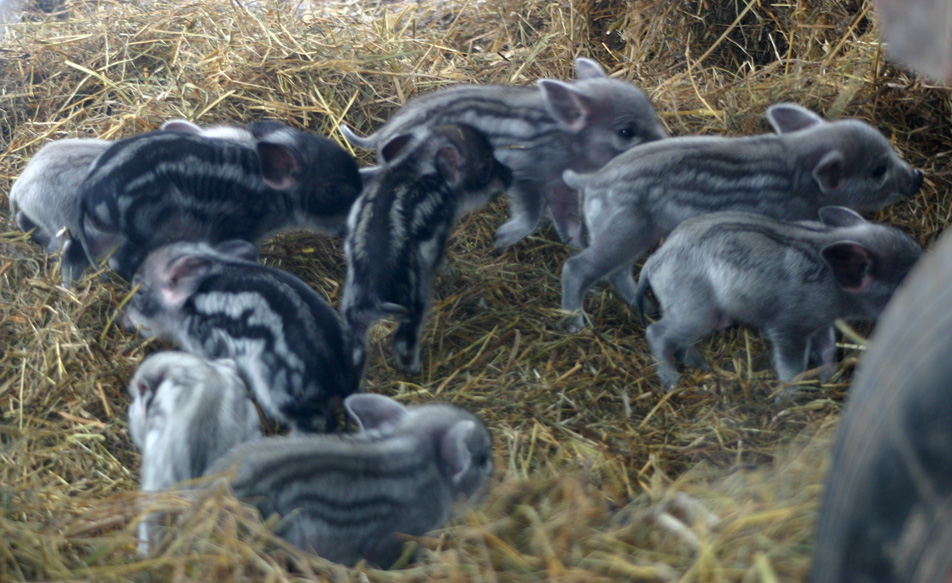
(466,454)
(870,271)
(850,162)
(169,276)
(321,178)
(465,160)
(604,116)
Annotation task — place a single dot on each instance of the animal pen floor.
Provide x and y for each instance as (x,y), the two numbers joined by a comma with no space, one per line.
(600,476)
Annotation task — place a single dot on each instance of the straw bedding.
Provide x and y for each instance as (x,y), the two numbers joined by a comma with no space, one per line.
(600,475)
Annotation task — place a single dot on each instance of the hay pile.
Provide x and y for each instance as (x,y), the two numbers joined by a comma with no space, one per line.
(601,477)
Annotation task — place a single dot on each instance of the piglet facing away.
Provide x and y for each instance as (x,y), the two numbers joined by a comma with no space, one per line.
(538,132)
(159,188)
(886,514)
(287,341)
(398,228)
(349,497)
(792,280)
(45,197)
(186,412)
(640,196)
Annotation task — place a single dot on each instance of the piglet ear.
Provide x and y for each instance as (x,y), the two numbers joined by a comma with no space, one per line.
(790,117)
(829,173)
(454,450)
(181,126)
(280,165)
(372,411)
(392,149)
(840,216)
(851,264)
(182,279)
(565,104)
(449,161)
(238,248)
(588,69)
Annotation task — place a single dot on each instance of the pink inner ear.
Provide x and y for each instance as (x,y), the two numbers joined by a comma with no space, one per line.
(861,286)
(567,106)
(142,387)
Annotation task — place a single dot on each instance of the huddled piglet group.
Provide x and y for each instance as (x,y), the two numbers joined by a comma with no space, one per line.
(752,223)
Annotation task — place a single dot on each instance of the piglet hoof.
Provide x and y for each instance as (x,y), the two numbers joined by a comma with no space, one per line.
(825,372)
(509,234)
(693,359)
(407,361)
(574,323)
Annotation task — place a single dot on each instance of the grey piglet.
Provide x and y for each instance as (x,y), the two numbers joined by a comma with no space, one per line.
(791,280)
(397,229)
(538,132)
(289,344)
(640,196)
(45,197)
(349,497)
(159,188)
(186,412)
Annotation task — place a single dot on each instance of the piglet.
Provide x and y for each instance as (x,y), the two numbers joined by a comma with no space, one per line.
(287,341)
(45,198)
(886,514)
(398,228)
(350,497)
(159,188)
(538,132)
(792,280)
(639,197)
(186,412)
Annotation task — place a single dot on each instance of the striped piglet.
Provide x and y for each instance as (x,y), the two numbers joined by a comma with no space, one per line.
(350,497)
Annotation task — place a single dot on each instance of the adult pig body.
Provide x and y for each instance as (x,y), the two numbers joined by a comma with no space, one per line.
(886,514)
(538,132)
(151,190)
(642,195)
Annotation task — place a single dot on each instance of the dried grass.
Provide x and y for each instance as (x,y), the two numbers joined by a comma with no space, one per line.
(602,477)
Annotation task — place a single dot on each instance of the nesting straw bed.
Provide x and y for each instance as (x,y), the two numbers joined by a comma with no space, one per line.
(600,476)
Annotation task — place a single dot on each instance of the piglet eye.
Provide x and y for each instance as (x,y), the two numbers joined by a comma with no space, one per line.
(880,170)
(626,133)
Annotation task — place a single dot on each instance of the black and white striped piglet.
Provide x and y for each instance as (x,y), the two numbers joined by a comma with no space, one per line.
(538,132)
(45,197)
(398,228)
(792,280)
(288,342)
(159,188)
(639,197)
(186,412)
(349,497)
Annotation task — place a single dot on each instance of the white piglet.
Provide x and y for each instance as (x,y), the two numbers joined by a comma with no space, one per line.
(186,412)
